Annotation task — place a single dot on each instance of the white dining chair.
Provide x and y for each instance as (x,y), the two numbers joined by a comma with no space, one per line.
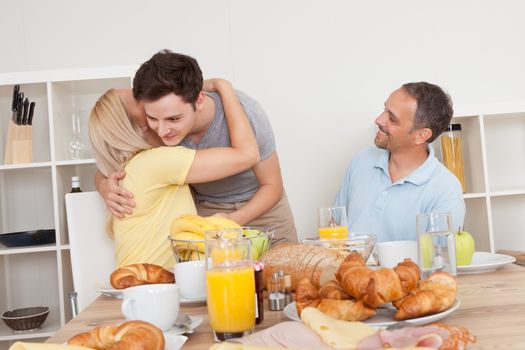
(92,251)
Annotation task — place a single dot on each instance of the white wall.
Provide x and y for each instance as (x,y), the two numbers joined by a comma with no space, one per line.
(321,69)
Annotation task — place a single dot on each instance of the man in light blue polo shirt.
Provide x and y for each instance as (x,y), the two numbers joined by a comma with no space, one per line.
(386,187)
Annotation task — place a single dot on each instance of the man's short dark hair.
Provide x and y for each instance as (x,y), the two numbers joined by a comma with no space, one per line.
(168,72)
(434,107)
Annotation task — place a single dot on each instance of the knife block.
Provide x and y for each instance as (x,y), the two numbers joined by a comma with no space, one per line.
(19,145)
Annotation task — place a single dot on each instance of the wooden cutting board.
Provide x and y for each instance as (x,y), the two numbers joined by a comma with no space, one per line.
(520,256)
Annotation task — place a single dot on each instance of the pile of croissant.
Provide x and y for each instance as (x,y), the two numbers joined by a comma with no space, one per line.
(139,274)
(358,291)
(131,335)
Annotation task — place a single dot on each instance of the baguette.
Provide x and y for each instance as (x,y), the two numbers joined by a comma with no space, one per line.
(318,264)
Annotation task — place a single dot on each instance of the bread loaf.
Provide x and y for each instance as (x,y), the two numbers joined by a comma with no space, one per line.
(318,264)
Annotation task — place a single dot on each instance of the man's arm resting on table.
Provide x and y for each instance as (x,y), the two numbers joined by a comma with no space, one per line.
(118,200)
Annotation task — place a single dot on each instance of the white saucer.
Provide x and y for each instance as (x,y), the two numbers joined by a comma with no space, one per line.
(186,301)
(384,316)
(110,292)
(195,322)
(174,342)
(485,262)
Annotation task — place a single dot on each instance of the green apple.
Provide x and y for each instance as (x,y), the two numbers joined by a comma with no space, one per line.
(426,247)
(259,241)
(464,248)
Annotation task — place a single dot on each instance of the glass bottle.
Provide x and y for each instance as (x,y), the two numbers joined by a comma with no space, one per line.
(451,152)
(75,184)
(259,291)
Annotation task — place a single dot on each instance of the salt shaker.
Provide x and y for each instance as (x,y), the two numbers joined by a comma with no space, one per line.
(276,292)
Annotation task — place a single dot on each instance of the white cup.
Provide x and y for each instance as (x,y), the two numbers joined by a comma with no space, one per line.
(154,303)
(392,253)
(190,276)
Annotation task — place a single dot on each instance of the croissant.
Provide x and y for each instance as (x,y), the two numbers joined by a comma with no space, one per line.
(376,287)
(131,335)
(332,290)
(346,310)
(433,295)
(138,274)
(306,295)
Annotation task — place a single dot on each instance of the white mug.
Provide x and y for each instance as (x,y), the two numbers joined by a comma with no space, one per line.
(190,276)
(392,253)
(154,303)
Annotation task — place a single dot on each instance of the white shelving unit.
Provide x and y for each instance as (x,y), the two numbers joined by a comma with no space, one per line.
(32,195)
(494,156)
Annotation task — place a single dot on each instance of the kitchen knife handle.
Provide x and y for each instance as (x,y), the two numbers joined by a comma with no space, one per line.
(14,103)
(31,112)
(19,111)
(26,109)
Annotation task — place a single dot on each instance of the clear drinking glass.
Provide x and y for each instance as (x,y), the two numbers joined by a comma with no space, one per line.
(332,223)
(77,147)
(231,287)
(437,244)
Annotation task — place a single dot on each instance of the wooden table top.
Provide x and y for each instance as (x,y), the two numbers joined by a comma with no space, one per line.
(492,308)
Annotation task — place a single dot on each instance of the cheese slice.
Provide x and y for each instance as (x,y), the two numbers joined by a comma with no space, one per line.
(336,333)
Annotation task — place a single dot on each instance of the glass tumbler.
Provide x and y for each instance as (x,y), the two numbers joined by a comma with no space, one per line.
(332,223)
(436,242)
(231,287)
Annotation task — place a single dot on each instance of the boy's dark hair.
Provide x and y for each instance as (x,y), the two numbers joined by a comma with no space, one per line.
(166,72)
(434,107)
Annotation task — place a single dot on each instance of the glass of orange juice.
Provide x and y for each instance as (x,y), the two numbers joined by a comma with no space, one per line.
(231,287)
(332,223)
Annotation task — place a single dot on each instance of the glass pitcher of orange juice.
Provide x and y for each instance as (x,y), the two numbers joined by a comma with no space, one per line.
(231,287)
(332,223)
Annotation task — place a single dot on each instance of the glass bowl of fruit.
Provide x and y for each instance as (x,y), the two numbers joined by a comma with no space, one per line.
(190,249)
(363,243)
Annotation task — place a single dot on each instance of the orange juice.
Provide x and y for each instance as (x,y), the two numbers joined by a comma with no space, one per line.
(231,299)
(335,232)
(220,255)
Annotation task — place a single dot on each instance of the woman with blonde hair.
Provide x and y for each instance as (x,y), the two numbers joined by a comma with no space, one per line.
(159,176)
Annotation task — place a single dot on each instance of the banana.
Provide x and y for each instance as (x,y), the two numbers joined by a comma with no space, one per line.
(191,223)
(222,222)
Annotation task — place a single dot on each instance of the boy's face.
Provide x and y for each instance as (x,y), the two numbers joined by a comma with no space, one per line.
(171,118)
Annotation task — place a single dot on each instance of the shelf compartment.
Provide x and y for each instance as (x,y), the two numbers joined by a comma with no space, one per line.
(471,150)
(30,280)
(508,222)
(26,200)
(50,327)
(23,250)
(86,172)
(478,228)
(77,98)
(505,139)
(34,92)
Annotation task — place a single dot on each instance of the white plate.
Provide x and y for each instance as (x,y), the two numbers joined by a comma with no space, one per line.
(117,293)
(184,300)
(195,322)
(174,342)
(110,292)
(384,316)
(485,262)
